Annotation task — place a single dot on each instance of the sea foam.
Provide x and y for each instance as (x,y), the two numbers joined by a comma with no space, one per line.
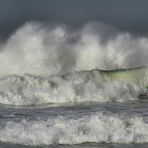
(77,87)
(97,127)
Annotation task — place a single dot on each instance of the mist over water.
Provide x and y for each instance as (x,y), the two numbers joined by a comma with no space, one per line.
(41,49)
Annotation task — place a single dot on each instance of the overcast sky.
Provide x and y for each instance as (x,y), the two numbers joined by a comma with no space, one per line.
(131,15)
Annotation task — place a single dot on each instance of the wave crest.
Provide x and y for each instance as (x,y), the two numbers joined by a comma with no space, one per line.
(40,49)
(85,86)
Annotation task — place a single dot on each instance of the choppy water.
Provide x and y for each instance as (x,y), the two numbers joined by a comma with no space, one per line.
(92,108)
(79,125)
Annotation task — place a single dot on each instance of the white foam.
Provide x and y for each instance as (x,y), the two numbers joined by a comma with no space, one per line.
(47,50)
(42,50)
(91,128)
(75,88)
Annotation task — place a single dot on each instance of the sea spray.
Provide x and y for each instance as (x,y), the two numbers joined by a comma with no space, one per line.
(46,50)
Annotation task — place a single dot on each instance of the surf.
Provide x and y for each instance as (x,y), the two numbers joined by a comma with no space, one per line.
(95,85)
(43,50)
(94,127)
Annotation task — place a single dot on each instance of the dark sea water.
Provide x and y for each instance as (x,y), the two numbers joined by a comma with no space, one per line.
(79,146)
(75,125)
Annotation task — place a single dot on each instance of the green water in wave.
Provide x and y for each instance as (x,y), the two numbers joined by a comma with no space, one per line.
(136,75)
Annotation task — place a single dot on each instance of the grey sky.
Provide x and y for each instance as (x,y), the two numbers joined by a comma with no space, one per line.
(131,15)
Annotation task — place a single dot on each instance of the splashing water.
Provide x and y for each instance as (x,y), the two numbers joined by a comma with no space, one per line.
(40,50)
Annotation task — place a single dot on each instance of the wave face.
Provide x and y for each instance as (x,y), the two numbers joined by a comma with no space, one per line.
(76,87)
(97,128)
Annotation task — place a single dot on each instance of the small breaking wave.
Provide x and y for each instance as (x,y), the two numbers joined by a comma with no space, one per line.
(98,128)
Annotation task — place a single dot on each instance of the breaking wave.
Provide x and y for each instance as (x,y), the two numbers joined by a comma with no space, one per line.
(52,51)
(59,65)
(76,87)
(40,49)
(98,127)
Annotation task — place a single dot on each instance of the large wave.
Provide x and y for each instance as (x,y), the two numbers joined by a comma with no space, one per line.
(84,86)
(56,64)
(42,49)
(96,127)
(52,51)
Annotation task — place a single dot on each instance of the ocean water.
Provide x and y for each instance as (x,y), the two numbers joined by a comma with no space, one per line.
(61,87)
(105,125)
